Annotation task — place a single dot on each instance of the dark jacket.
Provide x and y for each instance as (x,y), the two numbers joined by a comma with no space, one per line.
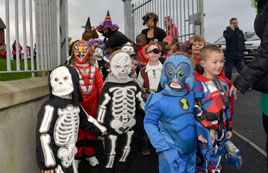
(235,44)
(258,67)
(115,39)
(159,34)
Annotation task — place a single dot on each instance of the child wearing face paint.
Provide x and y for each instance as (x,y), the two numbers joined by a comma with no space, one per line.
(170,122)
(120,99)
(58,122)
(215,104)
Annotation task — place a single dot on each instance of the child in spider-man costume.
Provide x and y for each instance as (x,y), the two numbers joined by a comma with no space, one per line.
(215,104)
(170,123)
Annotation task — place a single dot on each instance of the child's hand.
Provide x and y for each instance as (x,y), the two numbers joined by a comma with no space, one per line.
(104,133)
(202,139)
(212,136)
(163,156)
(47,171)
(229,134)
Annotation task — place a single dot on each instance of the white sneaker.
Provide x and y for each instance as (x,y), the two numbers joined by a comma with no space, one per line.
(93,161)
(75,165)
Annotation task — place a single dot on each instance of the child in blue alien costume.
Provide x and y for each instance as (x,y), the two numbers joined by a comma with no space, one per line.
(170,122)
(215,116)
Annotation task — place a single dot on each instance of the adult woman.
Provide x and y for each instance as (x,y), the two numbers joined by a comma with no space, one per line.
(257,72)
(152,33)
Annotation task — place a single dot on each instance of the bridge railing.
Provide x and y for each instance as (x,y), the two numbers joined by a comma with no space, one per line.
(47,31)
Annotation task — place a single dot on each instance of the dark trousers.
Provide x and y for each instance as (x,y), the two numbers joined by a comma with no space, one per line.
(228,67)
(265,125)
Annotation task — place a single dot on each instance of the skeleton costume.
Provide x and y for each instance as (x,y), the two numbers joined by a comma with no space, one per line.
(58,123)
(117,108)
(90,84)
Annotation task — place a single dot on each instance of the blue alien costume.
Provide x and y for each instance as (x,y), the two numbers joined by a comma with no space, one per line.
(169,122)
(216,116)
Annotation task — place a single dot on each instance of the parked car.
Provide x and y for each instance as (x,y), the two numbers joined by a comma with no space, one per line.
(220,42)
(252,43)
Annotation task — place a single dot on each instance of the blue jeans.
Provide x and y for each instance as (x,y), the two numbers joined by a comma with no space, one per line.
(228,67)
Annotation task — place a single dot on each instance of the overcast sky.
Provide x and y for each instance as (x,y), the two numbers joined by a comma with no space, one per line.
(218,13)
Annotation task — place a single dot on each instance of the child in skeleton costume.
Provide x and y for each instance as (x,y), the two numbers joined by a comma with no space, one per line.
(216,117)
(119,101)
(59,119)
(170,122)
(90,84)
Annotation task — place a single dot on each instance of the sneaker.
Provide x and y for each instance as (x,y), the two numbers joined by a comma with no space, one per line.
(93,161)
(145,152)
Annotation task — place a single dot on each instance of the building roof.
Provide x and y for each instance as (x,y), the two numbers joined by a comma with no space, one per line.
(2,24)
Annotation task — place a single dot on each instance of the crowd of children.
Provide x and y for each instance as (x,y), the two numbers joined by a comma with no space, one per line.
(187,116)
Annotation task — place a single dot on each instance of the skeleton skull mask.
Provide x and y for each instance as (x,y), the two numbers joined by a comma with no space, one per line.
(121,65)
(128,49)
(98,53)
(61,81)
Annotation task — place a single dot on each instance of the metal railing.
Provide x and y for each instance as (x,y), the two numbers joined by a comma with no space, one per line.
(44,30)
(187,15)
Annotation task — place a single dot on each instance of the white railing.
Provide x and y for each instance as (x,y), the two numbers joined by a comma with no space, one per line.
(44,30)
(187,15)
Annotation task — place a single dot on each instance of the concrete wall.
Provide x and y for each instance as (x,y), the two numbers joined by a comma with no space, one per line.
(20,102)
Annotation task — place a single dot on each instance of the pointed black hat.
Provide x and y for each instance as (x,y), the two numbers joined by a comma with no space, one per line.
(88,23)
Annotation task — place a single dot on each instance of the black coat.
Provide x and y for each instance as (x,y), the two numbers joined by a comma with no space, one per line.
(258,67)
(159,35)
(115,39)
(235,44)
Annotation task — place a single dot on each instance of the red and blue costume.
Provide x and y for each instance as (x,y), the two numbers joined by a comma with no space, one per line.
(216,116)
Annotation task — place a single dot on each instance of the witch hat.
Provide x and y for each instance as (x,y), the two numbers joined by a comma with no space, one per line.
(88,23)
(107,24)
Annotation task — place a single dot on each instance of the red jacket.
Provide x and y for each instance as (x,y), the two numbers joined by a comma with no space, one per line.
(172,31)
(142,55)
(90,84)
